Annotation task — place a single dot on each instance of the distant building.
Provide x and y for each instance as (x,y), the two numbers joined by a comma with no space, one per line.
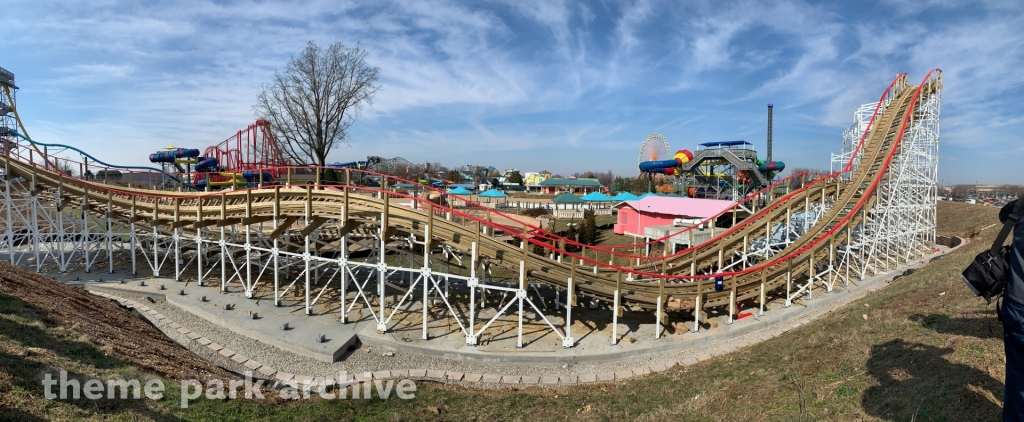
(574,186)
(532,180)
(636,217)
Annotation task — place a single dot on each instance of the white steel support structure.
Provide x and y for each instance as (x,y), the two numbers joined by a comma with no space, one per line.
(413,269)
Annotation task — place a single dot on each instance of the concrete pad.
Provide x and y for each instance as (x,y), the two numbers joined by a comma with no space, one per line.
(174,325)
(226,352)
(472,378)
(510,380)
(624,374)
(254,365)
(549,380)
(204,341)
(303,380)
(381,375)
(702,356)
(606,376)
(300,338)
(530,380)
(183,330)
(584,378)
(689,361)
(658,367)
(417,373)
(284,377)
(401,374)
(491,379)
(193,336)
(363,376)
(641,371)
(451,376)
(238,357)
(435,375)
(214,346)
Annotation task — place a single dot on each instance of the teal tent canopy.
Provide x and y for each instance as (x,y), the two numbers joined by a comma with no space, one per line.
(596,197)
(460,191)
(567,198)
(493,194)
(625,196)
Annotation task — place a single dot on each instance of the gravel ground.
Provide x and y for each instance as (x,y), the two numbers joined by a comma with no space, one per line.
(364,358)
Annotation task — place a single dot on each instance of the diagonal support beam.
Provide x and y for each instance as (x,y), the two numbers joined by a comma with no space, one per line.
(281,228)
(313,225)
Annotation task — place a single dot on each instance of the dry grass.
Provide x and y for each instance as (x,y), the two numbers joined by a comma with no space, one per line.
(961,219)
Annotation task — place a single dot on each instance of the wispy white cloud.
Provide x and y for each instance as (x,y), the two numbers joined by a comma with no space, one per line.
(528,80)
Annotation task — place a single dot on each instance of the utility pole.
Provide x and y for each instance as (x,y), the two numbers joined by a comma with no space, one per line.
(769,132)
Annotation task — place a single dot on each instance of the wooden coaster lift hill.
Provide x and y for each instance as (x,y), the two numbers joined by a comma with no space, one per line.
(354,244)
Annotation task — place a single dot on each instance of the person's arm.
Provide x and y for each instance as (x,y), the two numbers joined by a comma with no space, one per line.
(1004,213)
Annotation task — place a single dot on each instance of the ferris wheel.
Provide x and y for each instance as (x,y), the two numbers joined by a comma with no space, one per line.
(654,148)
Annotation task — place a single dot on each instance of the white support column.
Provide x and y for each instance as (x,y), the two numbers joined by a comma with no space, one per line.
(520,296)
(696,310)
(760,311)
(177,245)
(309,270)
(732,304)
(131,235)
(425,272)
(35,228)
(85,230)
(657,317)
(810,274)
(343,263)
(568,340)
(223,252)
(156,249)
(382,269)
(9,204)
(472,284)
(248,253)
(199,242)
(110,235)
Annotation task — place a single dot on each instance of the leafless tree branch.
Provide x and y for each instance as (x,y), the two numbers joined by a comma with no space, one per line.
(312,104)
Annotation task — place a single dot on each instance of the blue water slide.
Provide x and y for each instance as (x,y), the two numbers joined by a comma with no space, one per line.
(252,175)
(657,166)
(94,159)
(206,165)
(174,154)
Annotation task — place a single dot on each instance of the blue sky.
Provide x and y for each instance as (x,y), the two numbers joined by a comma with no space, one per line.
(562,86)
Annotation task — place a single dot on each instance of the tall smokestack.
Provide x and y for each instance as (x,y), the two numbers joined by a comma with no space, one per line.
(769,131)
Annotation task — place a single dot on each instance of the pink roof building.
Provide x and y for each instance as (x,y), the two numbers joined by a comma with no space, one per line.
(635,216)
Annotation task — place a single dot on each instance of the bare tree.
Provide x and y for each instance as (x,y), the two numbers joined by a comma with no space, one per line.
(798,183)
(67,167)
(312,104)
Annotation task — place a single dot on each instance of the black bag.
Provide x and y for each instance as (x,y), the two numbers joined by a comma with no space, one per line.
(987,275)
